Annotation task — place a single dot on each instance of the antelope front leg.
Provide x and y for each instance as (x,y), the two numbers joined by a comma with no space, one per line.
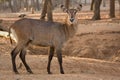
(59,56)
(51,54)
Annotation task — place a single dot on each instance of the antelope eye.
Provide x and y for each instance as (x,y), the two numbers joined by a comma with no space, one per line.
(67,10)
(75,11)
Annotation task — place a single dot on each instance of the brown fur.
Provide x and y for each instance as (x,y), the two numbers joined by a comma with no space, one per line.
(42,33)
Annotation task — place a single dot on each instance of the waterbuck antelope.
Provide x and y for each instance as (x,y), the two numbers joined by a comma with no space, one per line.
(43,33)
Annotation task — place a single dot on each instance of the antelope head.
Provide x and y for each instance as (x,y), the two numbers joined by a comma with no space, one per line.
(71,13)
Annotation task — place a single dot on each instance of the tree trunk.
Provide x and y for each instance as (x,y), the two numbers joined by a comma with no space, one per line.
(15,6)
(10,5)
(67,3)
(38,5)
(96,15)
(3,4)
(44,10)
(92,3)
(47,9)
(85,2)
(104,3)
(112,9)
(33,8)
(119,2)
(18,5)
(22,4)
(26,5)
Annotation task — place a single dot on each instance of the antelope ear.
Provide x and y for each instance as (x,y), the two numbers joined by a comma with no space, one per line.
(63,8)
(79,7)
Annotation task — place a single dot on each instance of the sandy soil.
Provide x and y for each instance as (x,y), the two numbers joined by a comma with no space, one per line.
(93,54)
(75,68)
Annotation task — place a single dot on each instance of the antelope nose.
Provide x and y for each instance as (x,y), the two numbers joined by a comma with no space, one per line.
(71,19)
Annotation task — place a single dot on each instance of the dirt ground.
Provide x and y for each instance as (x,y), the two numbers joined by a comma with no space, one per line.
(92,54)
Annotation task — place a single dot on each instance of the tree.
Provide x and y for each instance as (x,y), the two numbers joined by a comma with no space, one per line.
(10,4)
(14,5)
(104,3)
(47,9)
(67,3)
(85,2)
(38,5)
(112,9)
(92,3)
(26,5)
(96,6)
(119,2)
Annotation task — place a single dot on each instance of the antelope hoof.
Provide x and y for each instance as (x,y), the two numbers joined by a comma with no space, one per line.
(16,72)
(29,71)
(62,72)
(49,72)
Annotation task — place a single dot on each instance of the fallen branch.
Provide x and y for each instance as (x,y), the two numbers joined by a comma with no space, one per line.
(5,34)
